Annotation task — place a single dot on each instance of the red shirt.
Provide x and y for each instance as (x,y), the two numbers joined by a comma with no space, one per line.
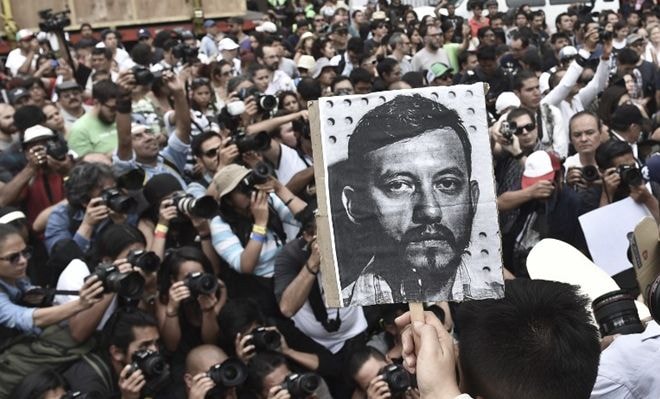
(43,191)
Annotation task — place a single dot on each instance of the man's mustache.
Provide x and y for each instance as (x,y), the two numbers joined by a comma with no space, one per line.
(433,231)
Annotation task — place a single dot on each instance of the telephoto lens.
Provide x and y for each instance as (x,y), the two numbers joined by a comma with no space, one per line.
(259,174)
(230,373)
(201,283)
(300,386)
(145,260)
(397,378)
(251,142)
(202,207)
(265,340)
(616,313)
(126,285)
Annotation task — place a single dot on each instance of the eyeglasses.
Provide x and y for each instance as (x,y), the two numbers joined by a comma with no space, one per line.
(528,128)
(212,153)
(446,76)
(13,258)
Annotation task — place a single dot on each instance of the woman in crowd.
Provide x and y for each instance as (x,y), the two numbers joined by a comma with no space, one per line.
(289,102)
(220,74)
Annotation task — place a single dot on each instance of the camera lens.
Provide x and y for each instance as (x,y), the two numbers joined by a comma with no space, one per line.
(616,313)
(126,285)
(590,173)
(230,373)
(653,299)
(309,383)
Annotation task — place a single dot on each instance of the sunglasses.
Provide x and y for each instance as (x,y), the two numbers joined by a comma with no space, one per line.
(13,258)
(528,128)
(212,153)
(446,76)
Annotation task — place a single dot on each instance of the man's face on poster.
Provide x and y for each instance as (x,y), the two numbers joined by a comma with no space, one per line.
(417,194)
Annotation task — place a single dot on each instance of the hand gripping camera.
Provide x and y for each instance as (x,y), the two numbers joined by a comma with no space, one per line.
(397,378)
(155,369)
(201,284)
(301,386)
(228,374)
(265,340)
(145,260)
(202,207)
(118,202)
(127,285)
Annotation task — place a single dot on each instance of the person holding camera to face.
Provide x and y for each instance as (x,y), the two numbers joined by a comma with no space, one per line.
(211,374)
(40,184)
(379,378)
(93,202)
(212,152)
(128,363)
(622,178)
(256,217)
(120,257)
(138,145)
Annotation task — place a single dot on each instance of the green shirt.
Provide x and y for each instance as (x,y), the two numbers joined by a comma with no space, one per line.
(452,50)
(89,134)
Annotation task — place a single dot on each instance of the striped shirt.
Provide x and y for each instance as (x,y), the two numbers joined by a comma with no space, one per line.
(229,247)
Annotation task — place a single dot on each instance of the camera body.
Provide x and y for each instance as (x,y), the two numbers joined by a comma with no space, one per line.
(265,102)
(508,129)
(250,142)
(301,386)
(203,207)
(187,54)
(259,175)
(154,368)
(127,285)
(630,175)
(145,260)
(590,173)
(143,76)
(201,283)
(265,340)
(228,374)
(118,202)
(54,21)
(604,35)
(57,148)
(397,378)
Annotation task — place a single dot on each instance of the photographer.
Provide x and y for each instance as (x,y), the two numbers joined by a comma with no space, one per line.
(201,385)
(20,60)
(189,300)
(111,371)
(366,367)
(212,152)
(581,168)
(269,377)
(93,202)
(138,145)
(41,183)
(622,178)
(116,243)
(247,332)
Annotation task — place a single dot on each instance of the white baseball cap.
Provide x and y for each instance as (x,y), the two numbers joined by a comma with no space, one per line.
(538,167)
(267,27)
(37,132)
(227,44)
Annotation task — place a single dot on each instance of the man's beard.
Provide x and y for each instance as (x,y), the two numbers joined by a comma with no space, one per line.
(432,249)
(433,46)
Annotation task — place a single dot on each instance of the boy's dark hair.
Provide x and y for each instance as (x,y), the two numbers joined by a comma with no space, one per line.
(463,57)
(627,56)
(517,113)
(558,35)
(338,79)
(521,345)
(104,51)
(37,384)
(198,140)
(27,116)
(83,178)
(386,65)
(359,75)
(105,90)
(235,317)
(260,366)
(520,78)
(141,54)
(414,79)
(487,53)
(309,89)
(355,44)
(359,358)
(118,331)
(609,150)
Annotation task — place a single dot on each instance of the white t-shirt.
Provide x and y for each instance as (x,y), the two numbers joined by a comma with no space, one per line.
(15,60)
(290,164)
(72,279)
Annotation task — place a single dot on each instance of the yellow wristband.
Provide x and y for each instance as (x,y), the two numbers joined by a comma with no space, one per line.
(161,228)
(259,229)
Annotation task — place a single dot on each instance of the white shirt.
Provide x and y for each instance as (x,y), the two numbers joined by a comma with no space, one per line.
(15,60)
(72,279)
(280,82)
(630,367)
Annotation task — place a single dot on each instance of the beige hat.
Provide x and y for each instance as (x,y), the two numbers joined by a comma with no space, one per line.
(306,35)
(228,178)
(307,62)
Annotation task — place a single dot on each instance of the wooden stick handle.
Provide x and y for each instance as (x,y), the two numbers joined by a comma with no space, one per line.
(416,311)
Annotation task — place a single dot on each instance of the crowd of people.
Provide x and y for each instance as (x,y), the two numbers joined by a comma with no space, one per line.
(157,204)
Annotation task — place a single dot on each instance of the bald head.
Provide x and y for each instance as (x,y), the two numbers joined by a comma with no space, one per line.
(203,357)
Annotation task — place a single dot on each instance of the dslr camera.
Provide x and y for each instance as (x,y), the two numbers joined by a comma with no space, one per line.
(201,283)
(250,142)
(590,173)
(301,386)
(259,175)
(187,54)
(604,35)
(265,340)
(508,129)
(228,374)
(118,202)
(630,175)
(616,313)
(154,368)
(202,207)
(265,102)
(145,260)
(57,148)
(54,21)
(143,76)
(127,285)
(397,378)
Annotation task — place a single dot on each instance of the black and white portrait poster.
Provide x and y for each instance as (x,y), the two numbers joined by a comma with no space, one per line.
(407,206)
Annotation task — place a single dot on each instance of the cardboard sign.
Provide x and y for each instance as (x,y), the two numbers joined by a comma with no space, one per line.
(645,250)
(407,205)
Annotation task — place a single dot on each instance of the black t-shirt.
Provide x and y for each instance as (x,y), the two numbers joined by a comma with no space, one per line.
(84,377)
